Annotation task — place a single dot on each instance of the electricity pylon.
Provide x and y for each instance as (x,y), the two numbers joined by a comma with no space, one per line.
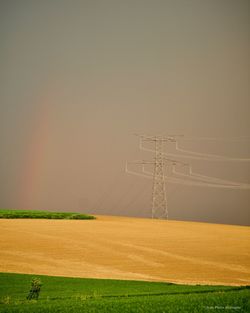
(159,198)
(159,174)
(159,208)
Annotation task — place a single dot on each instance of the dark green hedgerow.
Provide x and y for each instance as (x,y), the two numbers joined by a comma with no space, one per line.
(43,215)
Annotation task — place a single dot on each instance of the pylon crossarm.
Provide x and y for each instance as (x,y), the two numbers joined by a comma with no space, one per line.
(163,138)
(138,174)
(141,162)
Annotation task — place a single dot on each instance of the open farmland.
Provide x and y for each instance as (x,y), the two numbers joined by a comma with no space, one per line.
(127,248)
(64,295)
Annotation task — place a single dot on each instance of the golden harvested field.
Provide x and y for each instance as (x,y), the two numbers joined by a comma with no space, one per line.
(127,248)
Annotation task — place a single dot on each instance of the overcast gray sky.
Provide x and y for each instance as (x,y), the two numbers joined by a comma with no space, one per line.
(78,78)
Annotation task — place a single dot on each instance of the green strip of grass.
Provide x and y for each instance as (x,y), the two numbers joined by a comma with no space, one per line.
(61,294)
(44,215)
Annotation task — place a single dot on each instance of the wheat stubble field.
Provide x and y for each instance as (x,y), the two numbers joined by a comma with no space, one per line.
(127,248)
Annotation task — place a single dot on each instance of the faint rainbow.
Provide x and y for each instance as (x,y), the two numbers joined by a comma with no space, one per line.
(35,155)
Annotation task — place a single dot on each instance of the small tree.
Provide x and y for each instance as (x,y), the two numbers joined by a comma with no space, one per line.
(34,289)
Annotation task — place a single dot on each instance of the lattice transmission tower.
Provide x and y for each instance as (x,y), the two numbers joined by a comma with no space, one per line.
(163,170)
(159,196)
(159,206)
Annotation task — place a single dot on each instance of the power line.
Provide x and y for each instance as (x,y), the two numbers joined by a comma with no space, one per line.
(164,170)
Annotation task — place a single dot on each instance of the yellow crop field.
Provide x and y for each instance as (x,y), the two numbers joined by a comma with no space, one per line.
(127,248)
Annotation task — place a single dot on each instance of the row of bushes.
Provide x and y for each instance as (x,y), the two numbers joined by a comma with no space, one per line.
(43,215)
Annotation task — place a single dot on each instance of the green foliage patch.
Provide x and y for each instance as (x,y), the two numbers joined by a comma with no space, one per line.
(43,215)
(61,294)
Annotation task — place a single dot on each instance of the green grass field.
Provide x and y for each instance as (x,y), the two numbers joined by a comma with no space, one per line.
(60,294)
(43,214)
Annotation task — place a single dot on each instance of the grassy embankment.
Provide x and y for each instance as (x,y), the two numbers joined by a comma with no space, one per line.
(60,294)
(43,215)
